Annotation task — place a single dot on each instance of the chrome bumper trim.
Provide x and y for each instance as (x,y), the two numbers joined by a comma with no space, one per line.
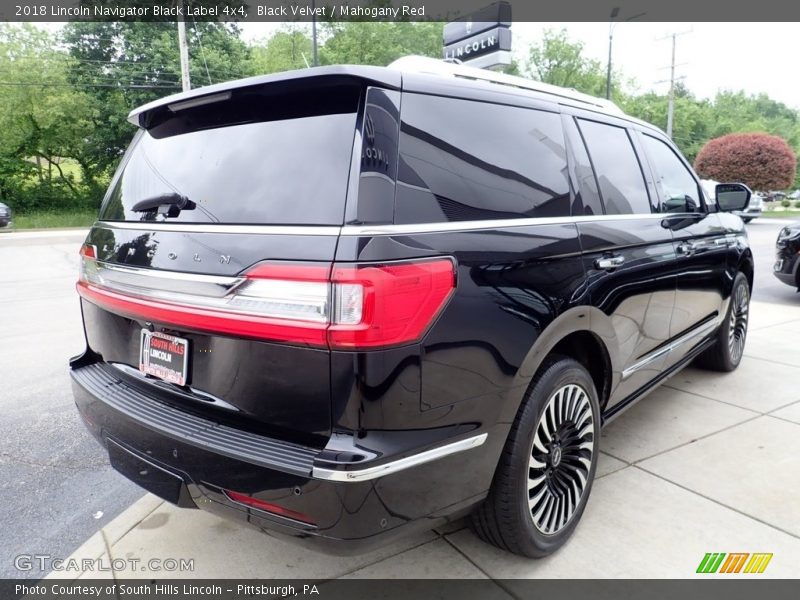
(401,464)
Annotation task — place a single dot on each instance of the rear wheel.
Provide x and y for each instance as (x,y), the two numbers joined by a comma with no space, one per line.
(727,352)
(547,467)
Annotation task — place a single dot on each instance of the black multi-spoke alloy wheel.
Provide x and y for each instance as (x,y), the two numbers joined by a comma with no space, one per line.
(547,467)
(727,352)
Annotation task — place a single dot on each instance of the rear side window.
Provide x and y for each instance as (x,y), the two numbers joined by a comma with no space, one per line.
(618,171)
(462,160)
(255,160)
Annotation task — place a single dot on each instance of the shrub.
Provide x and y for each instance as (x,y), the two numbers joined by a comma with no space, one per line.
(762,161)
(797,204)
(786,203)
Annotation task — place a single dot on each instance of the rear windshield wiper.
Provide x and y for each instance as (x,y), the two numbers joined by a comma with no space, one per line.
(169,204)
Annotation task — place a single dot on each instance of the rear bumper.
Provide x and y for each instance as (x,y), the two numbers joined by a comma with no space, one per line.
(344,508)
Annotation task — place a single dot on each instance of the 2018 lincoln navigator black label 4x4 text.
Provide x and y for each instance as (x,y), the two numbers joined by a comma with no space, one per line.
(345,303)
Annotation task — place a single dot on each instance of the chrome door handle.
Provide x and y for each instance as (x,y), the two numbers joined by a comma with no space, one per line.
(686,248)
(609,262)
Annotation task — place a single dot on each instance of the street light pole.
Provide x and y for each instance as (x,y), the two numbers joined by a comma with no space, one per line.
(611,17)
(608,73)
(611,24)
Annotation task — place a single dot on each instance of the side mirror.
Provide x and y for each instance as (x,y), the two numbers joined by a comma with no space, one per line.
(732,197)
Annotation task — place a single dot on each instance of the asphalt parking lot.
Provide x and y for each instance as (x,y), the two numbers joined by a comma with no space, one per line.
(708,463)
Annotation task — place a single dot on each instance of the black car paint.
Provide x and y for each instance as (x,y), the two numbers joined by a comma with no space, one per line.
(524,290)
(787,256)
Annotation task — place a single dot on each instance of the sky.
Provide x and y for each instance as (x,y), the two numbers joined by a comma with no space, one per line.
(754,57)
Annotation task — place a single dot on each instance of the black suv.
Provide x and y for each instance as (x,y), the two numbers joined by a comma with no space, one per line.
(787,259)
(345,303)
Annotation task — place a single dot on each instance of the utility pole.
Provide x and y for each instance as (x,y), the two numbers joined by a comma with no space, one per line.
(671,103)
(672,79)
(314,59)
(183,48)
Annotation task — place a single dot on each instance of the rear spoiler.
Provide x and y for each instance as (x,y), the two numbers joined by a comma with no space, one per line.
(380,76)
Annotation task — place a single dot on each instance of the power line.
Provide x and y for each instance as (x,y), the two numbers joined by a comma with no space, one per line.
(105,85)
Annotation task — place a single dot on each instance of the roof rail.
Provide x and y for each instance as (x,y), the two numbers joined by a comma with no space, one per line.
(433,66)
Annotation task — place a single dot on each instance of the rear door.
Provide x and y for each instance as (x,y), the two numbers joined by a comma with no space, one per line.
(218,232)
(700,244)
(628,253)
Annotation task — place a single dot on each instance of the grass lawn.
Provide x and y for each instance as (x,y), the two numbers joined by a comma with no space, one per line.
(781,214)
(46,219)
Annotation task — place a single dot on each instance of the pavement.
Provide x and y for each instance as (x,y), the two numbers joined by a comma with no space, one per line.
(707,463)
(56,486)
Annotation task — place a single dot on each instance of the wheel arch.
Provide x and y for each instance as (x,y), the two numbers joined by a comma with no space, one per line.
(747,267)
(579,334)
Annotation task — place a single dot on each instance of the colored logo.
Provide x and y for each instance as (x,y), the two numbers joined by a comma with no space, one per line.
(734,562)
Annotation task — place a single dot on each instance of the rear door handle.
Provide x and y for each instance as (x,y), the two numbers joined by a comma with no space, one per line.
(609,262)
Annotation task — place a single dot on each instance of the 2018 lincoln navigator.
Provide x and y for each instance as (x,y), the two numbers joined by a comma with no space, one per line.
(345,303)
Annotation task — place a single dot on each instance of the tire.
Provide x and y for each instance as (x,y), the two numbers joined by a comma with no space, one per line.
(728,349)
(747,219)
(561,400)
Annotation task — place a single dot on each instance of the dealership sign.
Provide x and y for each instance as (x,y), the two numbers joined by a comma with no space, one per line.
(481,39)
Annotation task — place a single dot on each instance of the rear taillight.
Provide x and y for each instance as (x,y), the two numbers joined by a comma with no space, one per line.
(88,267)
(387,305)
(346,307)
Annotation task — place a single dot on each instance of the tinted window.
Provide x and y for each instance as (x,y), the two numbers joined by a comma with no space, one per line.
(676,187)
(587,197)
(462,160)
(287,171)
(618,171)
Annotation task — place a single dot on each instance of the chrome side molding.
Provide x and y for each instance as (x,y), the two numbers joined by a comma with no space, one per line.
(664,350)
(401,464)
(373,230)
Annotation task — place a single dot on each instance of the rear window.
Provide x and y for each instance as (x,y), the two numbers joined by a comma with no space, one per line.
(259,159)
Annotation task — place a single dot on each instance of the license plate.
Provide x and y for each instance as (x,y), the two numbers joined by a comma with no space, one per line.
(164,356)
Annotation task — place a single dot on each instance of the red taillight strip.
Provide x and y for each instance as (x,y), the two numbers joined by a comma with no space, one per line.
(208,320)
(401,301)
(388,304)
(268,507)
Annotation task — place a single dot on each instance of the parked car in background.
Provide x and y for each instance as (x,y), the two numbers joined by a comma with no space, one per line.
(795,195)
(5,215)
(775,196)
(402,296)
(787,259)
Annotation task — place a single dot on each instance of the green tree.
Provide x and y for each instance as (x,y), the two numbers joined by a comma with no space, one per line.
(557,60)
(42,121)
(379,44)
(122,65)
(286,49)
